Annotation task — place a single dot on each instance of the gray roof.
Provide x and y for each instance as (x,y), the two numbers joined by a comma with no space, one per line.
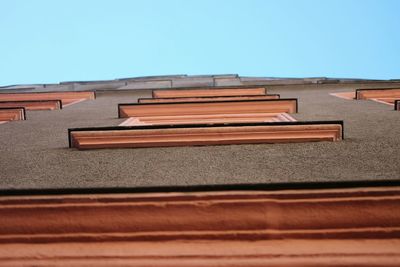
(177,81)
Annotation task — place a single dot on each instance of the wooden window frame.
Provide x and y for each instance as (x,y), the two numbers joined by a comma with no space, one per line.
(208,134)
(34,104)
(202,92)
(364,94)
(387,96)
(68,97)
(283,105)
(12,114)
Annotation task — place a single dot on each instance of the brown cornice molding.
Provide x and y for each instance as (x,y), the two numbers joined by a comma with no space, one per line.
(377,93)
(357,213)
(12,114)
(206,99)
(65,97)
(208,92)
(213,134)
(33,104)
(288,105)
(342,224)
(210,253)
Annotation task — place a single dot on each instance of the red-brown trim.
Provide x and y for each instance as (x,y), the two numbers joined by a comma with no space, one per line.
(217,134)
(33,104)
(207,99)
(297,227)
(12,114)
(288,105)
(210,253)
(387,100)
(203,119)
(377,93)
(66,97)
(208,92)
(248,215)
(345,95)
(381,95)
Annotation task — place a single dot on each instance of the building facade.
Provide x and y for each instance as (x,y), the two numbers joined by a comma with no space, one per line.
(212,170)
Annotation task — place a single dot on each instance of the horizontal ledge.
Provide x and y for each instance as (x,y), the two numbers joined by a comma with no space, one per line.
(356,213)
(141,127)
(214,134)
(287,105)
(208,92)
(209,253)
(12,114)
(66,97)
(33,104)
(206,99)
(377,93)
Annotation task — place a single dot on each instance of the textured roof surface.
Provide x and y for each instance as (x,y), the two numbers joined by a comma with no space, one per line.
(35,153)
(183,80)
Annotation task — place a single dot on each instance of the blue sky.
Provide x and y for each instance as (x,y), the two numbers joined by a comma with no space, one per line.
(51,41)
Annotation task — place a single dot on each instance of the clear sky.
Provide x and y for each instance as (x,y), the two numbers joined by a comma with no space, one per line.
(46,41)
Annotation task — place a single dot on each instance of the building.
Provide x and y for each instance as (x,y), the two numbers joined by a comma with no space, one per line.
(76,194)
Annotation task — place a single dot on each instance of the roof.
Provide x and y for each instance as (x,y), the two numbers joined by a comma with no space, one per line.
(183,80)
